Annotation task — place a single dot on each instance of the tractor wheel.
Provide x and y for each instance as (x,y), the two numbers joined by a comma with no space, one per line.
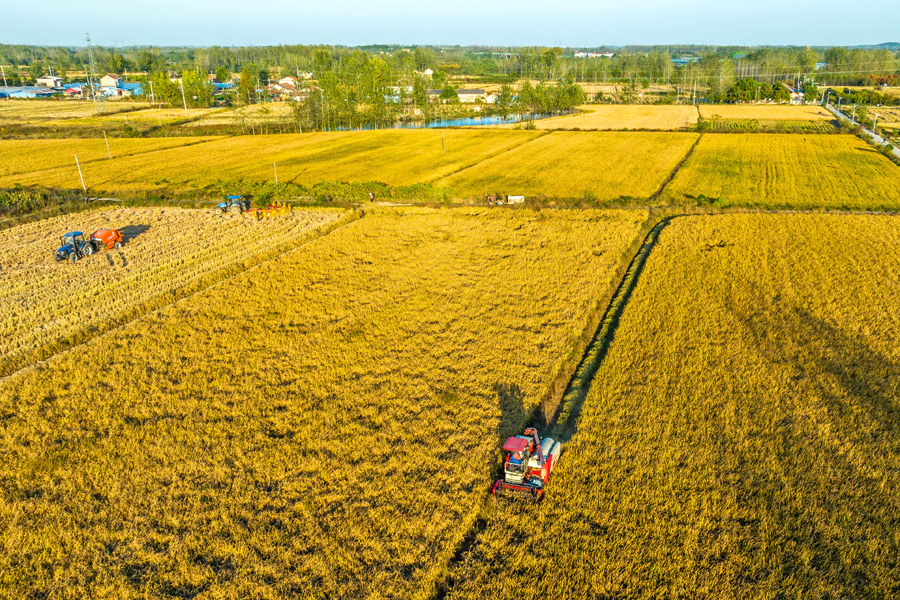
(220,211)
(117,245)
(234,209)
(88,249)
(74,256)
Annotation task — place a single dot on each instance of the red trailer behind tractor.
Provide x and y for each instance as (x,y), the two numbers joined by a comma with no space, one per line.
(111,238)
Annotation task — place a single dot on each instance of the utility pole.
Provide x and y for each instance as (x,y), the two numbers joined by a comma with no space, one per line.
(79,174)
(152,99)
(108,153)
(183,99)
(92,80)
(853,118)
(275,166)
(8,97)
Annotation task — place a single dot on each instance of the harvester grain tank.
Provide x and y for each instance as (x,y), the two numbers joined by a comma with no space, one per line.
(528,464)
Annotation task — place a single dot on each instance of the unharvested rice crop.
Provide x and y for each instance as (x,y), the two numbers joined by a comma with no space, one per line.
(44,305)
(324,425)
(833,171)
(623,116)
(792,126)
(588,165)
(28,156)
(396,157)
(764,112)
(27,111)
(741,439)
(887,117)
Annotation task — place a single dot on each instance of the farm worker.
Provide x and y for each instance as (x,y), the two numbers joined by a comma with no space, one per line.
(371,197)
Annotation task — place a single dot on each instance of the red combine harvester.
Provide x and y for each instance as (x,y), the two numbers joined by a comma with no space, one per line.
(529,462)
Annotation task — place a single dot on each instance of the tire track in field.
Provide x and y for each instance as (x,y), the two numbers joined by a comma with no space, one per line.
(81,338)
(563,423)
(433,180)
(658,193)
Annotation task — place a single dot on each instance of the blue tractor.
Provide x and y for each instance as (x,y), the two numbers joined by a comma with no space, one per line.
(74,246)
(234,205)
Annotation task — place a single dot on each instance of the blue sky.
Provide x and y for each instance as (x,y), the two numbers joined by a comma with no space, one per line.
(494,22)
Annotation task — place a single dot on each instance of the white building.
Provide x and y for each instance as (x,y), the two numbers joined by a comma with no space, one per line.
(49,81)
(110,81)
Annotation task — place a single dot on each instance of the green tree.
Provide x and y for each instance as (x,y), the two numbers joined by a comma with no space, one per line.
(449,93)
(246,85)
(223,74)
(36,69)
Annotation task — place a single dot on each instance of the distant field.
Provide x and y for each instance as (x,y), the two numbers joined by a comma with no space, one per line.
(623,116)
(762,112)
(888,117)
(24,111)
(322,426)
(741,438)
(43,303)
(837,171)
(592,165)
(789,126)
(30,156)
(395,157)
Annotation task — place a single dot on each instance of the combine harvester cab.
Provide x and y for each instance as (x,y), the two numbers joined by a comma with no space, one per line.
(527,467)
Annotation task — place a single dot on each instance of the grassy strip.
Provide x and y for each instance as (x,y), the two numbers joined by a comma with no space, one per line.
(212,278)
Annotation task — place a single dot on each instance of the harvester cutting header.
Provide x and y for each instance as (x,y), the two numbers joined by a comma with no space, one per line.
(529,462)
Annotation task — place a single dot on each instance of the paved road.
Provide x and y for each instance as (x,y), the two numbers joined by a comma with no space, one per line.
(878,139)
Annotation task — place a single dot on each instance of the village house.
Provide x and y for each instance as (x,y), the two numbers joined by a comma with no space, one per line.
(50,81)
(110,81)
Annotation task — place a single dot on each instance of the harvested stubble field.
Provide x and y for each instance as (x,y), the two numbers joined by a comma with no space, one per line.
(324,425)
(45,305)
(394,157)
(740,440)
(763,112)
(30,156)
(789,170)
(887,117)
(588,165)
(622,116)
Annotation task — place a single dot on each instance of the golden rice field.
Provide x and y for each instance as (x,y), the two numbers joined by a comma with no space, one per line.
(740,440)
(324,425)
(887,117)
(22,157)
(802,171)
(765,112)
(590,165)
(45,305)
(395,157)
(623,116)
(139,119)
(25,111)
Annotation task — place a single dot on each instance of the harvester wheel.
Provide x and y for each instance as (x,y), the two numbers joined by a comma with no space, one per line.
(235,209)
(117,245)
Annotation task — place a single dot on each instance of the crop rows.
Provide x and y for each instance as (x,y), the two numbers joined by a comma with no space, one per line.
(324,425)
(752,125)
(44,305)
(787,170)
(740,440)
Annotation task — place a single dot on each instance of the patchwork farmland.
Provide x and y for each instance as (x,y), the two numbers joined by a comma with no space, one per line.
(314,404)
